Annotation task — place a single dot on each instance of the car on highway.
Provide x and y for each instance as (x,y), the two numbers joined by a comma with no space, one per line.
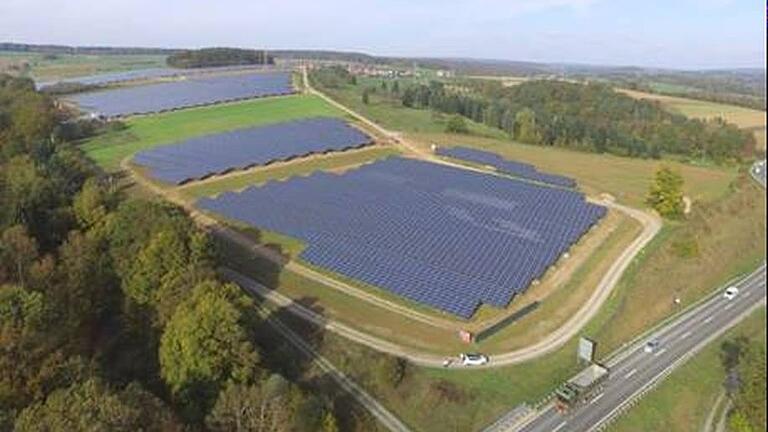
(473,359)
(651,345)
(730,292)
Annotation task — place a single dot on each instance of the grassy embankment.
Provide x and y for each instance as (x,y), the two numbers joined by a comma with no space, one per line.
(683,402)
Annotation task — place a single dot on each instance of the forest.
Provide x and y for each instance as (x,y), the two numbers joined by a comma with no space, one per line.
(214,57)
(589,117)
(112,316)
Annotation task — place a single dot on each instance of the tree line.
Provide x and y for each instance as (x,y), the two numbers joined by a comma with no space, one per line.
(590,117)
(111,314)
(213,57)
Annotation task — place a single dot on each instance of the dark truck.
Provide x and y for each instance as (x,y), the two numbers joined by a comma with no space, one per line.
(581,388)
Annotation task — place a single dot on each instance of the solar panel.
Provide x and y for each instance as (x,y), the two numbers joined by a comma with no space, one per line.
(204,156)
(441,236)
(143,74)
(517,169)
(159,97)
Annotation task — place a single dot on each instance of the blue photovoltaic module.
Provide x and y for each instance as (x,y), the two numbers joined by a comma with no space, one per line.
(517,169)
(204,156)
(165,96)
(440,236)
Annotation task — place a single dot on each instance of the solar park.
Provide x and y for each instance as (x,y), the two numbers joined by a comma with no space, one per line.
(190,92)
(440,236)
(514,168)
(201,157)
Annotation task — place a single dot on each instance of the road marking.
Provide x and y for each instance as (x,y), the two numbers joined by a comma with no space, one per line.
(708,320)
(560,426)
(728,306)
(632,372)
(598,397)
(686,335)
(661,351)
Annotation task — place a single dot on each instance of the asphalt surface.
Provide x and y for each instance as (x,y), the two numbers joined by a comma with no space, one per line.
(635,371)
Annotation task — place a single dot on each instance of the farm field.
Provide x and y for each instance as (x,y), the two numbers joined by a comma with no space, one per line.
(141,133)
(744,118)
(45,68)
(683,402)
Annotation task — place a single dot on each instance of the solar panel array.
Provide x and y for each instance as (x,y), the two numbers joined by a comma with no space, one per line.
(243,148)
(166,96)
(517,169)
(146,74)
(438,235)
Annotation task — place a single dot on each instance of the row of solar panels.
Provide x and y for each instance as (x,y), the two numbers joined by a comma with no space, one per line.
(208,155)
(441,236)
(517,169)
(144,74)
(166,96)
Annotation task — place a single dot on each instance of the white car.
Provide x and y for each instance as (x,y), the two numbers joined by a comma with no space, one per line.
(473,359)
(730,292)
(651,345)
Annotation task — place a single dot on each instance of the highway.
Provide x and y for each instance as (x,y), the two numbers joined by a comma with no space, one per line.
(634,371)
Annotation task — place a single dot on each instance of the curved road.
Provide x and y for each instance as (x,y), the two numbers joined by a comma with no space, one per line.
(633,372)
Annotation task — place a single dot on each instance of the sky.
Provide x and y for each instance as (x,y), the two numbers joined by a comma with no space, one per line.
(683,34)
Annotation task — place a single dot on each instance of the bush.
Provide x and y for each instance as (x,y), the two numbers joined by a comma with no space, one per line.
(456,124)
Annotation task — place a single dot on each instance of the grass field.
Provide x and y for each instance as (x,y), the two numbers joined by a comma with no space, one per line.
(109,149)
(684,400)
(389,112)
(627,179)
(45,67)
(744,118)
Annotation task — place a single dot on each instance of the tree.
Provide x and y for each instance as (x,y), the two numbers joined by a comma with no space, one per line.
(750,400)
(329,422)
(666,193)
(92,405)
(390,371)
(738,422)
(365,96)
(525,127)
(90,204)
(268,407)
(456,124)
(18,251)
(206,344)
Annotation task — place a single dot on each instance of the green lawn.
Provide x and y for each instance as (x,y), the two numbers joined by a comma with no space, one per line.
(109,149)
(682,402)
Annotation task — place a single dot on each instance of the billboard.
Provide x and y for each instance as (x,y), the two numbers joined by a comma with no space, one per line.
(586,350)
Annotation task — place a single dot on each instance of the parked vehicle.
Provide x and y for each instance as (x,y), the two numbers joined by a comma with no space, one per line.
(473,359)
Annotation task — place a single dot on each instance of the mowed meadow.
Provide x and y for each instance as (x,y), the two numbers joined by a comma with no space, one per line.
(143,132)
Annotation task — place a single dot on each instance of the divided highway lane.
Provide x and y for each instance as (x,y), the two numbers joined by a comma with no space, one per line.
(637,371)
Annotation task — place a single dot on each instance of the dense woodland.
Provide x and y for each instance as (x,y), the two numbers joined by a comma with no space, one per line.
(213,57)
(590,117)
(111,314)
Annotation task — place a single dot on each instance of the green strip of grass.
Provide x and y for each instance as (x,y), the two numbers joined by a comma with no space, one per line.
(283,171)
(109,149)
